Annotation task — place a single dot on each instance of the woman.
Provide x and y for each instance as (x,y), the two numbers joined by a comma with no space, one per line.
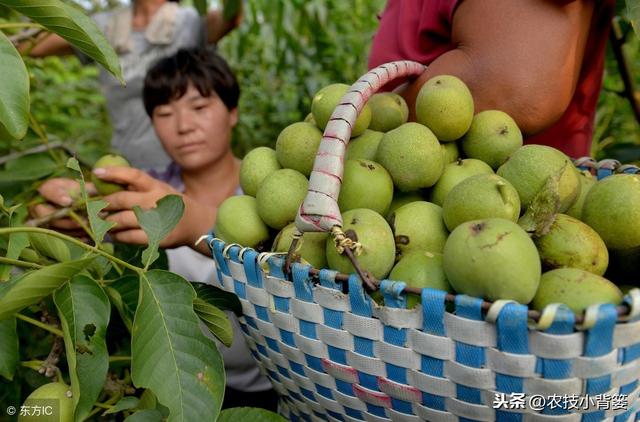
(141,34)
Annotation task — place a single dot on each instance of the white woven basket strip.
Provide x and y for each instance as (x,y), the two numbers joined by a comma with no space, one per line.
(475,333)
(256,336)
(331,299)
(552,346)
(402,417)
(292,354)
(237,271)
(302,406)
(227,282)
(278,359)
(257,296)
(442,348)
(310,346)
(362,326)
(399,318)
(481,378)
(429,414)
(626,374)
(279,287)
(303,381)
(510,363)
(336,338)
(329,404)
(626,334)
(539,417)
(247,308)
(548,387)
(476,412)
(585,367)
(374,418)
(399,356)
(372,366)
(284,321)
(320,378)
(307,311)
(431,384)
(350,401)
(267,329)
(289,384)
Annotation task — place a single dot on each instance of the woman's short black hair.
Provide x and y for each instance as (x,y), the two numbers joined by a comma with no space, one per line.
(169,78)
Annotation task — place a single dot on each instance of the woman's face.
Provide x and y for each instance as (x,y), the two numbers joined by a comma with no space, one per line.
(195,130)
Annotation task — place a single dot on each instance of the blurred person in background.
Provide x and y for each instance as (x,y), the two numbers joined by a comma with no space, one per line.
(141,34)
(540,61)
(191,98)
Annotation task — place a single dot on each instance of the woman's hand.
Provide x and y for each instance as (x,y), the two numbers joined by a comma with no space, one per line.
(144,191)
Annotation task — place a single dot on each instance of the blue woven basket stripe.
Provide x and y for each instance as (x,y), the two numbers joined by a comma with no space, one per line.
(251,268)
(471,308)
(302,282)
(433,401)
(360,302)
(273,375)
(362,345)
(502,416)
(337,355)
(432,366)
(368,381)
(356,414)
(402,406)
(240,289)
(338,416)
(281,304)
(396,373)
(262,313)
(512,332)
(395,336)
(344,387)
(333,318)
(631,353)
(283,371)
(262,350)
(392,293)
(376,410)
(626,389)
(234,254)
(327,279)
(276,265)
(218,246)
(308,329)
(297,368)
(433,309)
(273,345)
(563,323)
(307,393)
(251,322)
(461,419)
(600,338)
(324,391)
(314,363)
(593,416)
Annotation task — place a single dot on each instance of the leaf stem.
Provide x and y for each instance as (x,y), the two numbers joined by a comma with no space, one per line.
(99,406)
(75,217)
(39,324)
(9,230)
(119,358)
(18,263)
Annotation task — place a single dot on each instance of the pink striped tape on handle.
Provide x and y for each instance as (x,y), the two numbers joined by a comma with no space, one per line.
(319,211)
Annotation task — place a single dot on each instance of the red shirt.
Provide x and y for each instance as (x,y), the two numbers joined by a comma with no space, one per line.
(420,30)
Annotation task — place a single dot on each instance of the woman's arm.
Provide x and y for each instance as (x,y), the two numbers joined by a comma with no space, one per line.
(218,26)
(519,56)
(47,44)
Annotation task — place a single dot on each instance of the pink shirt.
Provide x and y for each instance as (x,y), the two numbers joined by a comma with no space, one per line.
(420,30)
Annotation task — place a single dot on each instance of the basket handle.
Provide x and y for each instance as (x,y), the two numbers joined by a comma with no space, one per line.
(319,210)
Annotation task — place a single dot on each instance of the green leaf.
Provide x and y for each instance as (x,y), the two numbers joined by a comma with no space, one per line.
(124,296)
(170,354)
(72,25)
(201,6)
(633,14)
(215,320)
(17,243)
(99,227)
(252,414)
(217,297)
(541,214)
(84,315)
(230,9)
(33,286)
(14,91)
(125,403)
(9,348)
(28,168)
(147,415)
(157,223)
(50,246)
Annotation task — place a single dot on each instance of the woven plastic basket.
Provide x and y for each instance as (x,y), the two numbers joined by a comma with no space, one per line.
(339,356)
